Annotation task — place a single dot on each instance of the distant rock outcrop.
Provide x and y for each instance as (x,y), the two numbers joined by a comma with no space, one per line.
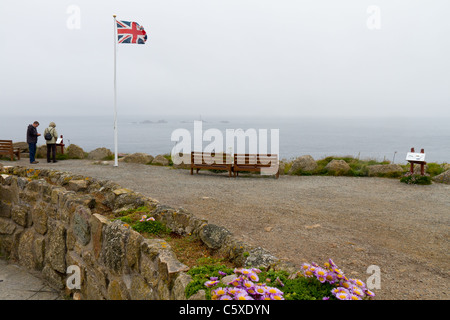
(160,160)
(337,167)
(75,152)
(444,177)
(385,169)
(100,154)
(303,164)
(23,146)
(138,157)
(41,151)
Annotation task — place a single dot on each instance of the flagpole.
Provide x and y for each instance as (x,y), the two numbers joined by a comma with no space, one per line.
(116,162)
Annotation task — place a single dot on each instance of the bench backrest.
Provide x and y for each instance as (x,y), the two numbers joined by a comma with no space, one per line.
(260,160)
(211,158)
(6,145)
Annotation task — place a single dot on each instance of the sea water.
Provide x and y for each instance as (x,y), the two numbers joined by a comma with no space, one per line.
(364,138)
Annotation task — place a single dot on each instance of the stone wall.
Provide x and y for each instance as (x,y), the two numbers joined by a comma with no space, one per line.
(52,220)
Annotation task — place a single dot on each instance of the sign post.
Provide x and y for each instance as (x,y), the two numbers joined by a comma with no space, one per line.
(419,158)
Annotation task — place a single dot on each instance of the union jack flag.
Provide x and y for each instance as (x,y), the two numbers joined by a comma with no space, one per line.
(130,32)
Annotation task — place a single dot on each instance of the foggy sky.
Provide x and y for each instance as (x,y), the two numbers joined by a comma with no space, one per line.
(238,57)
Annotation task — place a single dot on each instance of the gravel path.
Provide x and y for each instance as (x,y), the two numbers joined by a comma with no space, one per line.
(358,222)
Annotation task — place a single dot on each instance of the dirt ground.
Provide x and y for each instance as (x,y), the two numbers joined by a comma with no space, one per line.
(357,222)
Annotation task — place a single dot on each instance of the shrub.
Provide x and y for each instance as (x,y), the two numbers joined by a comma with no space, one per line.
(143,223)
(168,156)
(434,169)
(60,156)
(150,226)
(200,274)
(411,178)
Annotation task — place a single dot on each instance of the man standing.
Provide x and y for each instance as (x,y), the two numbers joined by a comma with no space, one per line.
(32,136)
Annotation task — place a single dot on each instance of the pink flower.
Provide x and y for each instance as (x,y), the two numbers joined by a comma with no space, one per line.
(253,276)
(343,295)
(243,296)
(211,283)
(248,284)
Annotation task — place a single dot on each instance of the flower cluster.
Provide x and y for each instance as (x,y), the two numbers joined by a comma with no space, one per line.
(346,289)
(144,218)
(244,287)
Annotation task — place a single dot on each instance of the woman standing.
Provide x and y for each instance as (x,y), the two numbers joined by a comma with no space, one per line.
(50,136)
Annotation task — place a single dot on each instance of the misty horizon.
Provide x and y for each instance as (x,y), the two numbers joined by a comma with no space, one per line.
(243,58)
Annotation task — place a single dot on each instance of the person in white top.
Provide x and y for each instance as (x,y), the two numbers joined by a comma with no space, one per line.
(50,135)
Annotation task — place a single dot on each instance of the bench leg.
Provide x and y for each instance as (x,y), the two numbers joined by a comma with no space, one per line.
(192,171)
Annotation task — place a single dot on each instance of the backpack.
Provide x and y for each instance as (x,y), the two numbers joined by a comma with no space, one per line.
(48,136)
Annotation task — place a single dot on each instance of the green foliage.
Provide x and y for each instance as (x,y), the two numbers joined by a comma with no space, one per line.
(358,167)
(302,288)
(151,227)
(139,210)
(133,217)
(108,158)
(416,179)
(60,156)
(434,169)
(201,274)
(168,156)
(5,158)
(126,219)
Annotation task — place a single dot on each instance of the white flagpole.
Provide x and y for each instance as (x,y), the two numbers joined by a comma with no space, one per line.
(116,162)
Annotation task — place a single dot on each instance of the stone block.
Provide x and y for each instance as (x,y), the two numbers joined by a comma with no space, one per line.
(7,226)
(31,249)
(97,223)
(55,254)
(20,215)
(55,280)
(214,236)
(5,209)
(9,194)
(179,287)
(133,249)
(140,290)
(117,290)
(77,185)
(81,226)
(40,217)
(115,236)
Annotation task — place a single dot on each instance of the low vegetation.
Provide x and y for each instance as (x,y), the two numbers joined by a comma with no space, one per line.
(206,269)
(360,167)
(189,249)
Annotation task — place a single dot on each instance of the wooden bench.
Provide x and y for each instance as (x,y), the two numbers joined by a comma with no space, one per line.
(206,160)
(6,147)
(256,162)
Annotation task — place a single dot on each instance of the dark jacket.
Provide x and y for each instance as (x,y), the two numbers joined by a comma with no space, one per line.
(32,134)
